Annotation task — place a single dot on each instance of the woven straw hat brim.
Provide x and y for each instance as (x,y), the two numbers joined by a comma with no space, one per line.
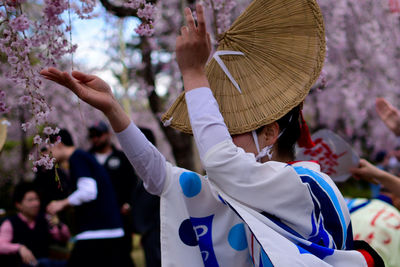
(283,42)
(3,133)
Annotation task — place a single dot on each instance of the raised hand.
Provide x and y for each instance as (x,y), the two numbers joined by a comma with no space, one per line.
(89,88)
(56,206)
(93,91)
(372,174)
(389,115)
(366,171)
(27,256)
(193,48)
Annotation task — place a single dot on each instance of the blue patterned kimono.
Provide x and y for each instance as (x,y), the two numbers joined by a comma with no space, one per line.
(245,213)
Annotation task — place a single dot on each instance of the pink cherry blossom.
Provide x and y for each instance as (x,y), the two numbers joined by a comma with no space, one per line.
(20,23)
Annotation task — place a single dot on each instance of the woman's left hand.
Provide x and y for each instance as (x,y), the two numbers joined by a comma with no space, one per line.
(193,48)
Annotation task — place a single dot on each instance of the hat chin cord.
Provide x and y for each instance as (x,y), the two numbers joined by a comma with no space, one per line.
(266,151)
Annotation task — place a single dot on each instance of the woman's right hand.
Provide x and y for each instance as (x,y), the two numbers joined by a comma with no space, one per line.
(89,88)
(27,256)
(93,91)
(367,172)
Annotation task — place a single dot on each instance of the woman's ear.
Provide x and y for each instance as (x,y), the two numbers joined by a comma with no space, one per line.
(270,134)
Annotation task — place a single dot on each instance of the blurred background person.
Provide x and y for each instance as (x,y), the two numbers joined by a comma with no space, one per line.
(377,221)
(122,175)
(25,237)
(100,232)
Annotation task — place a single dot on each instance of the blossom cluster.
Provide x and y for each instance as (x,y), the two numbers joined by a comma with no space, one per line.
(29,47)
(362,64)
(3,105)
(223,13)
(145,11)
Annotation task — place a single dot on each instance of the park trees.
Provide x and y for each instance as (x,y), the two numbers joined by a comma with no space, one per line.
(362,63)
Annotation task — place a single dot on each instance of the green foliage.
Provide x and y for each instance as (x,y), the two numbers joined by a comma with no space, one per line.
(353,188)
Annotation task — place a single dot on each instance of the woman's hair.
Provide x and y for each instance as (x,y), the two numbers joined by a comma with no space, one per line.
(21,189)
(66,137)
(289,126)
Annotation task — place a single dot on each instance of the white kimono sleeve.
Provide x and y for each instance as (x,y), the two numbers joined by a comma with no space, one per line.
(272,187)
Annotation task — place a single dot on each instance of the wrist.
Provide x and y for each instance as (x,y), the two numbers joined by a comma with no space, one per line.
(20,247)
(65,202)
(380,174)
(118,119)
(194,78)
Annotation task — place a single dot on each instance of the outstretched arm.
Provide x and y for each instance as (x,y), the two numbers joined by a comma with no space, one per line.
(145,158)
(373,174)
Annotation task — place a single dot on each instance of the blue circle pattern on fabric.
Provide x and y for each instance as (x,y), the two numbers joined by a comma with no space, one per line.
(237,237)
(190,183)
(187,233)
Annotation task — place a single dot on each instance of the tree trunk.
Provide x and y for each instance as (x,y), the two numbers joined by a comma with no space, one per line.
(24,148)
(181,143)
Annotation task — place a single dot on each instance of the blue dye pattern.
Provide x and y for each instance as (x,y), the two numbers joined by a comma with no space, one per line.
(314,178)
(278,222)
(187,233)
(330,219)
(190,183)
(313,224)
(302,250)
(353,208)
(264,259)
(203,229)
(350,202)
(222,200)
(237,237)
(319,251)
(349,240)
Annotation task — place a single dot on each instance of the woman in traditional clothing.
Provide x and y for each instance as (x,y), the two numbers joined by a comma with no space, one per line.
(254,207)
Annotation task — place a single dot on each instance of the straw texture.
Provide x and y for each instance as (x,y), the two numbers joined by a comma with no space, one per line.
(3,133)
(283,42)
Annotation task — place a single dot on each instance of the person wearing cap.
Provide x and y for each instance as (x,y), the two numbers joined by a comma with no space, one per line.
(254,207)
(121,173)
(98,220)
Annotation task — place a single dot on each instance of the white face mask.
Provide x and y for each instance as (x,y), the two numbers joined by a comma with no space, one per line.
(266,151)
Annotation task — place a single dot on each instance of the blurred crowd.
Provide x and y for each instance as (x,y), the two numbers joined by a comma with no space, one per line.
(94,203)
(84,212)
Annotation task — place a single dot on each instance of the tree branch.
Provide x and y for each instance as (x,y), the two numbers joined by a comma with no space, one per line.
(119,11)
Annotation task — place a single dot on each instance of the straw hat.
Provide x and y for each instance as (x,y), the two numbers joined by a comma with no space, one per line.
(3,132)
(274,53)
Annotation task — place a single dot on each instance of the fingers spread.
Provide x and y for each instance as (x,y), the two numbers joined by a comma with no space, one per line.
(381,105)
(190,19)
(200,19)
